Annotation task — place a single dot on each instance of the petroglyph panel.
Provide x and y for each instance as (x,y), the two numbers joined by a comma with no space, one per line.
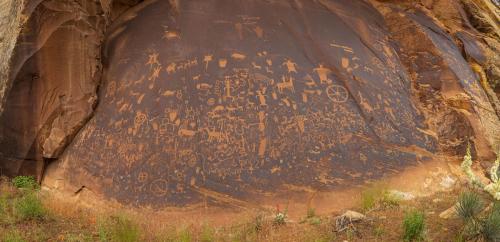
(225,96)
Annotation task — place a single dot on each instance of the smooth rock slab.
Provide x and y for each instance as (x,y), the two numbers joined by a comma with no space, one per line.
(223,100)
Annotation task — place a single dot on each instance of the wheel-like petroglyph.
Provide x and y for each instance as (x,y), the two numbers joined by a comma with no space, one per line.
(337,93)
(159,187)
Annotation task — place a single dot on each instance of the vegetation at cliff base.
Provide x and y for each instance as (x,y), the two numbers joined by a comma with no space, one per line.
(29,214)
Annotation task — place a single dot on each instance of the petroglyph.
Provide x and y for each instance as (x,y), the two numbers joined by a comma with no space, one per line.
(337,93)
(235,104)
(153,60)
(291,66)
(159,187)
(323,73)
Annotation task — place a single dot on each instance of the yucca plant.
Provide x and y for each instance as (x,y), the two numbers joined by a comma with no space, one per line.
(469,206)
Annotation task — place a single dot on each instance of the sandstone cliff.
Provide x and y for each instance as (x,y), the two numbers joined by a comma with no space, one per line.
(169,102)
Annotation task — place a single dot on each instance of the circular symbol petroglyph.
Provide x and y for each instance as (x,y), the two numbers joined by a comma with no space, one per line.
(188,157)
(159,187)
(140,118)
(337,93)
(142,177)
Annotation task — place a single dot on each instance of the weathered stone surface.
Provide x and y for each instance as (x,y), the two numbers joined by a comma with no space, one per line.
(55,72)
(432,58)
(225,97)
(235,100)
(11,21)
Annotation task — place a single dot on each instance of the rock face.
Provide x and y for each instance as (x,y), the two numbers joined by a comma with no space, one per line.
(55,75)
(230,100)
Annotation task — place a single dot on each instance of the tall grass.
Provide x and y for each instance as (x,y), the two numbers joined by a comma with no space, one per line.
(29,206)
(118,228)
(491,227)
(12,236)
(413,226)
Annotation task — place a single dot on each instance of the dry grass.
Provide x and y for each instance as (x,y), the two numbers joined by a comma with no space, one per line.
(66,222)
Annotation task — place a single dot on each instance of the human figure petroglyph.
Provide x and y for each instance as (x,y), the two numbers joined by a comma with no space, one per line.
(111,89)
(323,73)
(171,68)
(259,31)
(290,65)
(153,60)
(155,74)
(222,63)
(207,59)
(227,87)
(262,97)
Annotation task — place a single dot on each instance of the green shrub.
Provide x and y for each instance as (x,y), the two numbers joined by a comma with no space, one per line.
(490,230)
(379,231)
(3,205)
(124,230)
(390,200)
(26,182)
(311,213)
(103,229)
(258,224)
(280,218)
(378,195)
(207,234)
(12,236)
(184,236)
(368,200)
(469,206)
(29,206)
(311,217)
(117,228)
(315,221)
(496,207)
(413,226)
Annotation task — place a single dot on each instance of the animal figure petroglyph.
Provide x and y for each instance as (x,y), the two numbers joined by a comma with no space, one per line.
(287,83)
(216,136)
(186,133)
(309,81)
